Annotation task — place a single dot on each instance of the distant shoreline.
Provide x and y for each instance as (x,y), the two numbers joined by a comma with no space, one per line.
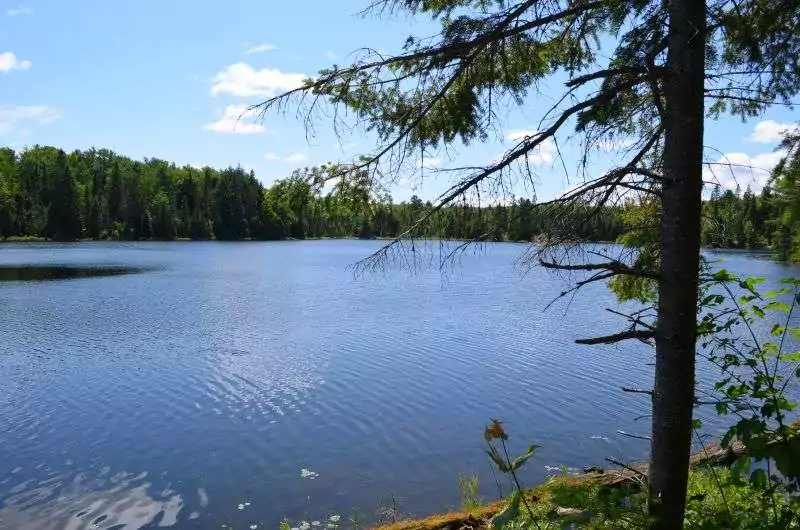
(36,239)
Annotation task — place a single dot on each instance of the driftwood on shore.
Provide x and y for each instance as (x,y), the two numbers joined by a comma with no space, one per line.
(710,455)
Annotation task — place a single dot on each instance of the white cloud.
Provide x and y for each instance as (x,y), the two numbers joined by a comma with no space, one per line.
(19,10)
(240,79)
(770,131)
(9,61)
(545,152)
(291,158)
(744,170)
(260,48)
(295,158)
(237,120)
(11,116)
(331,56)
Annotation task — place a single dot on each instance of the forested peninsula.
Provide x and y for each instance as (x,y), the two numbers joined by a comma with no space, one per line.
(98,194)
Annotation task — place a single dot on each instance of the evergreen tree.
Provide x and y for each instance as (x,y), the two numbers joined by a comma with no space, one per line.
(664,60)
(63,219)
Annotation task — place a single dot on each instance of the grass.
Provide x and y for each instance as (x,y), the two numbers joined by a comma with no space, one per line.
(468,491)
(590,502)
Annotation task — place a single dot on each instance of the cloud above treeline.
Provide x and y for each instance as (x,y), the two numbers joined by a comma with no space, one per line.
(242,80)
(771,131)
(236,119)
(739,169)
(13,116)
(260,48)
(9,61)
(291,158)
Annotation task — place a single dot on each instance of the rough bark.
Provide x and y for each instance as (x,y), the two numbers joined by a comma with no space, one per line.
(673,392)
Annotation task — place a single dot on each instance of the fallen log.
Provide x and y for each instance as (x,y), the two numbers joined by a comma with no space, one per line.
(710,455)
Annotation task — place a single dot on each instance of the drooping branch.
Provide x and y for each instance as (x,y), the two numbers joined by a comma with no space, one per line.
(615,267)
(642,335)
(524,147)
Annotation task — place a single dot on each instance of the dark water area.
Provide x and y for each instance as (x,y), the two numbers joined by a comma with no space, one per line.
(32,273)
(192,385)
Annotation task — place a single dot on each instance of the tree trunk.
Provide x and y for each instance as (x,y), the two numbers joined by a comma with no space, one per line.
(673,391)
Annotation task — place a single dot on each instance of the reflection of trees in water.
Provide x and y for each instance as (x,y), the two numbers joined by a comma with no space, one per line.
(32,273)
(80,502)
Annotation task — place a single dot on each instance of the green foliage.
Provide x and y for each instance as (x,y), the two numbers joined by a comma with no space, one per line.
(640,234)
(468,492)
(716,500)
(98,194)
(757,369)
(735,220)
(509,513)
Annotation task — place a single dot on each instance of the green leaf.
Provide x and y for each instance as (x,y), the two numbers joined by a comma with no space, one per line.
(758,478)
(785,457)
(775,294)
(751,283)
(509,513)
(498,460)
(726,439)
(790,357)
(524,457)
(723,275)
(740,467)
(778,306)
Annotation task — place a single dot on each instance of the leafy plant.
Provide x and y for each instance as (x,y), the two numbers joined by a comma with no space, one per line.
(506,464)
(756,373)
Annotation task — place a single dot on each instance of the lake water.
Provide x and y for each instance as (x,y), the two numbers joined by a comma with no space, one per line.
(241,383)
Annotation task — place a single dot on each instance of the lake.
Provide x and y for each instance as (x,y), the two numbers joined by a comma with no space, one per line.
(202,384)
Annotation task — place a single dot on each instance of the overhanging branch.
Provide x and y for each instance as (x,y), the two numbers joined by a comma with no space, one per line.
(638,334)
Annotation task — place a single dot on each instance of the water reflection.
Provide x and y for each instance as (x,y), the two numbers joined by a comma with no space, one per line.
(36,273)
(79,501)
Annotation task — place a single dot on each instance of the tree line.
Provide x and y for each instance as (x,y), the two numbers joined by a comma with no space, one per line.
(98,194)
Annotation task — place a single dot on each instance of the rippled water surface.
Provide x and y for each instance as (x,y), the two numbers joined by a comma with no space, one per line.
(240,383)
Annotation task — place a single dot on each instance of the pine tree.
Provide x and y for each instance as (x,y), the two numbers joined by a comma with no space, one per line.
(63,218)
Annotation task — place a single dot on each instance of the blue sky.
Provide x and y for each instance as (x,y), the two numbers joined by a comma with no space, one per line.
(166,78)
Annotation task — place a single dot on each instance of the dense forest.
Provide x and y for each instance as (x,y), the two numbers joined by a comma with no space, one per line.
(97,194)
